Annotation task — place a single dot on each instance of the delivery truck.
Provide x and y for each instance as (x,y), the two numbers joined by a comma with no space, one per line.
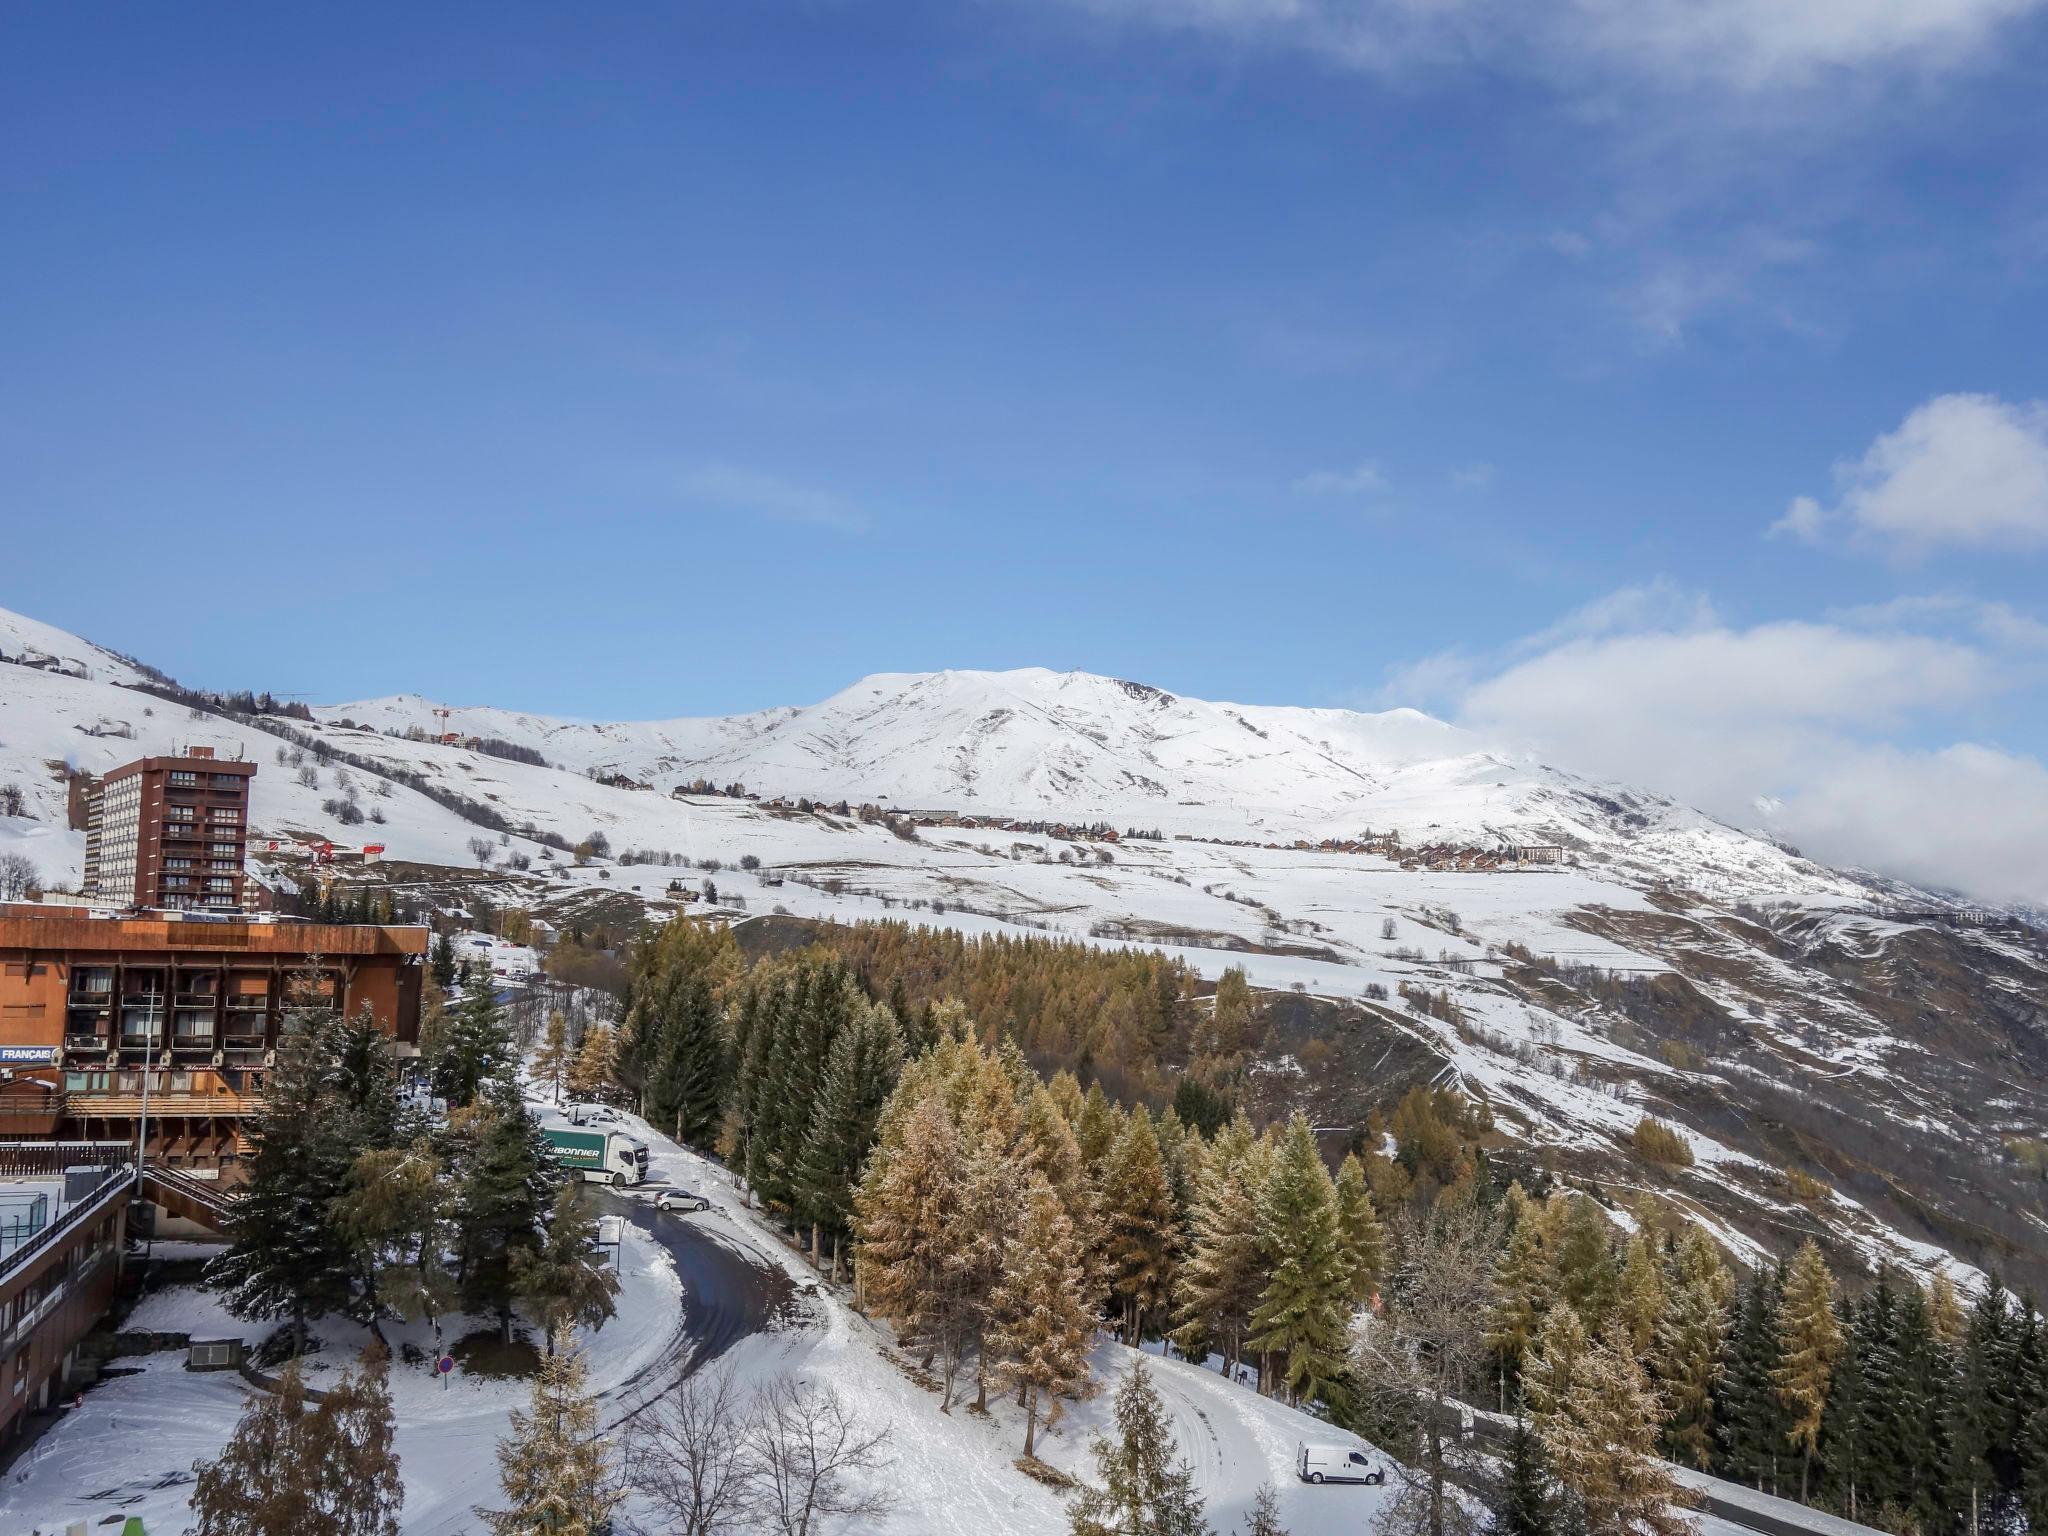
(600,1156)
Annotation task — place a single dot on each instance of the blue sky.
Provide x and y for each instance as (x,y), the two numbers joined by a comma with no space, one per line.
(644,361)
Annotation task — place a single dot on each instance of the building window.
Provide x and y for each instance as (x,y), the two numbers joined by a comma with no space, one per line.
(183,779)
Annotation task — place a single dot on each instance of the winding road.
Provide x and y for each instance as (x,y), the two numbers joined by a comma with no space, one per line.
(728,1294)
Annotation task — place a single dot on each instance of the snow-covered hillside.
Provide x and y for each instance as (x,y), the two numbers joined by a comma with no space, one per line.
(1672,967)
(1075,747)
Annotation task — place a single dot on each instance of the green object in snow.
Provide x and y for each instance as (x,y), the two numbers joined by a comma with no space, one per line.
(134,1527)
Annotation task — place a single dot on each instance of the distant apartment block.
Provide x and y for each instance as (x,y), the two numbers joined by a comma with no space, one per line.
(169,832)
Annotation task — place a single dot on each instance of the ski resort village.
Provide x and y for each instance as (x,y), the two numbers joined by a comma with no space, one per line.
(992,1103)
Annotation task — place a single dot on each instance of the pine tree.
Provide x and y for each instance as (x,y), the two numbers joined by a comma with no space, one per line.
(1581,1247)
(1809,1343)
(1139,1225)
(1219,1285)
(287,1258)
(1601,1442)
(1521,1293)
(1639,1297)
(1136,1469)
(977,1235)
(904,1207)
(685,1078)
(1264,1516)
(441,963)
(860,1074)
(1095,1128)
(394,1215)
(595,1070)
(1525,1501)
(1364,1242)
(505,1194)
(562,1281)
(1044,1325)
(553,1467)
(1750,1422)
(1686,1358)
(1302,1311)
(477,1049)
(291,1469)
(1554,1365)
(551,1061)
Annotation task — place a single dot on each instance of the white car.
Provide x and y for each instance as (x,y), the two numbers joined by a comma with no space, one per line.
(1337,1464)
(680,1200)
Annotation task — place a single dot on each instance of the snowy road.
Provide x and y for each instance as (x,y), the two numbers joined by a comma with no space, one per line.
(729,1292)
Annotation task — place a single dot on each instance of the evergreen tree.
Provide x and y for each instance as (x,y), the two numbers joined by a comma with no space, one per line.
(441,962)
(1525,1501)
(1302,1311)
(1750,1421)
(1521,1293)
(1686,1357)
(685,1078)
(1264,1516)
(1044,1326)
(294,1469)
(394,1215)
(505,1196)
(562,1281)
(860,1074)
(1219,1285)
(1139,1225)
(286,1256)
(1364,1242)
(477,1050)
(1809,1343)
(1135,1469)
(1979,1408)
(553,1467)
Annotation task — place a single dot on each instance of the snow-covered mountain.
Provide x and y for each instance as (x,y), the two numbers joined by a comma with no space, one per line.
(1778,1013)
(1075,747)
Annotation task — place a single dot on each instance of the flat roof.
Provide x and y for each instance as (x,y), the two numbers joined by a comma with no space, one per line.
(232,765)
(66,929)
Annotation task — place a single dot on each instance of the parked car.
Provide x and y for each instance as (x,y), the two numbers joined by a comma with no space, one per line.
(1337,1464)
(680,1200)
(592,1114)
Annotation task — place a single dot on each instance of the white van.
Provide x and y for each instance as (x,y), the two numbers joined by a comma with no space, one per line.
(1337,1464)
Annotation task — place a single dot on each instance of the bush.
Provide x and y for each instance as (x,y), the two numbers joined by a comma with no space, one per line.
(1659,1143)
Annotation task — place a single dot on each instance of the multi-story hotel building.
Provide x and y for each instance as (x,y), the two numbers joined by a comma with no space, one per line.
(169,832)
(92,1005)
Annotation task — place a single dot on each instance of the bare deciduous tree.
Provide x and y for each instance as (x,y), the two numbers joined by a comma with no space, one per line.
(1417,1360)
(12,801)
(813,1464)
(483,850)
(689,1459)
(18,876)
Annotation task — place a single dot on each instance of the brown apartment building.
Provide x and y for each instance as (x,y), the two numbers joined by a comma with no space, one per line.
(169,833)
(90,1004)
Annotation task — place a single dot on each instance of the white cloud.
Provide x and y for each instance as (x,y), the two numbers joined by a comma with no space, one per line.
(729,488)
(1363,479)
(1960,469)
(1801,720)
(1743,45)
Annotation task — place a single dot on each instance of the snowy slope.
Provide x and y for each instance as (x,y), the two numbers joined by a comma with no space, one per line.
(1076,747)
(1850,1011)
